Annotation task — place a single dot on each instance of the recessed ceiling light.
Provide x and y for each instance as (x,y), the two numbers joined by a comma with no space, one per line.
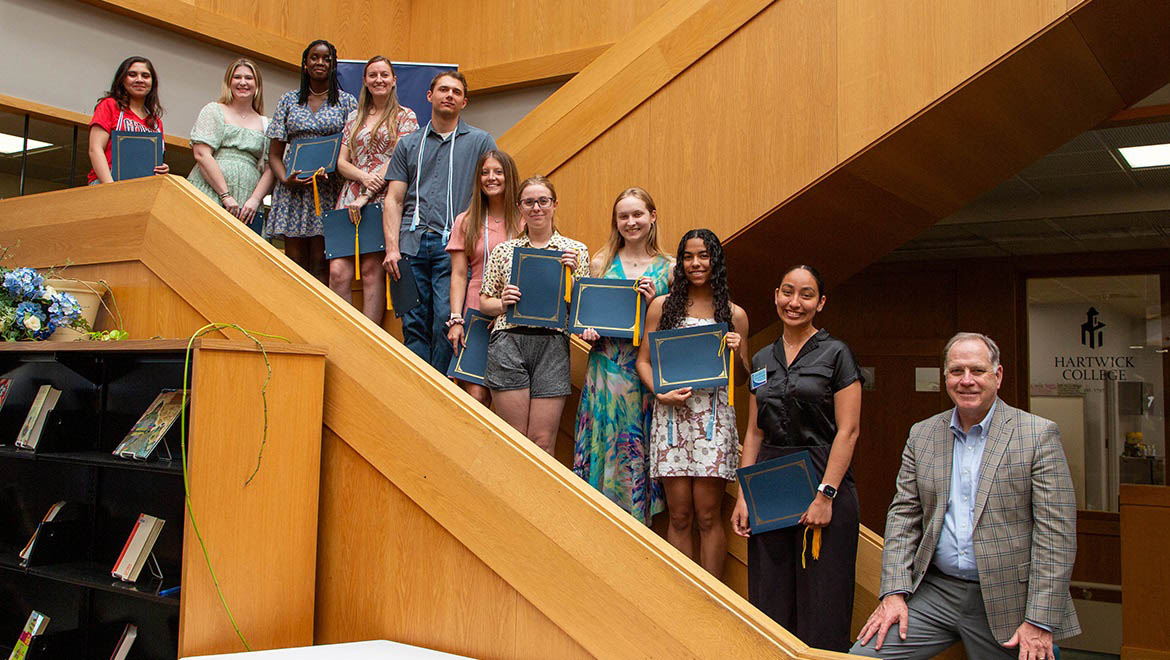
(1153,155)
(13,144)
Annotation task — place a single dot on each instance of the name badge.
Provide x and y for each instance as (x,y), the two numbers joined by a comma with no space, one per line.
(759,378)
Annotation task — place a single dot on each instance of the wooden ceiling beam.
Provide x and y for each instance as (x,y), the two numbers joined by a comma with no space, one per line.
(621,78)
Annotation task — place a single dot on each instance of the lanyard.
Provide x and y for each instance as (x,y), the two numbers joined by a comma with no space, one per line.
(483,264)
(447,220)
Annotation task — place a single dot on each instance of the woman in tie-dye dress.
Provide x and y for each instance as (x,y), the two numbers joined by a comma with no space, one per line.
(613,418)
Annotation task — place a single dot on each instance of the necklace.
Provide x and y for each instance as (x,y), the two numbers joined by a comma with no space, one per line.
(797,344)
(318,94)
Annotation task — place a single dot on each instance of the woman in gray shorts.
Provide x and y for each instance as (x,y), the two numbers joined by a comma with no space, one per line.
(527,366)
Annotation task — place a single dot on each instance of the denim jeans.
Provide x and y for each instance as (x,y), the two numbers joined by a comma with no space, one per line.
(424,328)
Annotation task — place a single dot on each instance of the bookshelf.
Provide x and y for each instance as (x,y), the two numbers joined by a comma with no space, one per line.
(261,537)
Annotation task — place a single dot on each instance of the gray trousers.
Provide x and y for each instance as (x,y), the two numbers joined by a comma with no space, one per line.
(943,611)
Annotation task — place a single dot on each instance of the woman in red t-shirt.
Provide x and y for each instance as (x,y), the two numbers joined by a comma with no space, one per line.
(130,105)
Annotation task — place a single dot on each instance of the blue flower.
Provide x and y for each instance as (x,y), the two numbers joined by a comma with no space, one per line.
(63,308)
(24,283)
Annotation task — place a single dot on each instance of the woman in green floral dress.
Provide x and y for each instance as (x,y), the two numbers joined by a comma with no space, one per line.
(613,418)
(231,151)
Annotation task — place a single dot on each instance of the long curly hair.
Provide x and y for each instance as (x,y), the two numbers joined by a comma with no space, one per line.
(334,96)
(674,308)
(154,109)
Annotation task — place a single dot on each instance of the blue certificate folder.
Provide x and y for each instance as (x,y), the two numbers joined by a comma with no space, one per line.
(688,357)
(311,154)
(339,229)
(541,278)
(403,291)
(134,155)
(470,362)
(608,306)
(778,491)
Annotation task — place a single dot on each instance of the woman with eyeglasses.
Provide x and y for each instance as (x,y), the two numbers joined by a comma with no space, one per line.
(806,396)
(317,109)
(528,367)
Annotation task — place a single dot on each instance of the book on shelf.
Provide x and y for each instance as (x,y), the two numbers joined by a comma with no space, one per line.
(34,423)
(129,633)
(34,626)
(149,430)
(49,515)
(138,546)
(5,386)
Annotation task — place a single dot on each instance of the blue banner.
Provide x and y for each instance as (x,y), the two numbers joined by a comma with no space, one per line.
(413,82)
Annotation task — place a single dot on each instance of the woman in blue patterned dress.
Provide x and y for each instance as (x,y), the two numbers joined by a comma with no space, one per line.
(613,418)
(317,109)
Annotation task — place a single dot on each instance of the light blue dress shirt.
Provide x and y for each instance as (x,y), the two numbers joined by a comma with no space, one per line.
(955,554)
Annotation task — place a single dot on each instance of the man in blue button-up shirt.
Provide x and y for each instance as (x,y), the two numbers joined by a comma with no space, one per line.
(981,535)
(431,175)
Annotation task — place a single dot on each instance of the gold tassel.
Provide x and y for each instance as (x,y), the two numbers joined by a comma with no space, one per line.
(355,216)
(816,544)
(568,285)
(316,195)
(730,370)
(637,315)
(389,305)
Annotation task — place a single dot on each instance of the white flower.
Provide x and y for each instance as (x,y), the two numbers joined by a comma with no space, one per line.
(49,292)
(32,323)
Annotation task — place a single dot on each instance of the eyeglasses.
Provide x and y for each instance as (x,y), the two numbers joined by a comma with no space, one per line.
(542,202)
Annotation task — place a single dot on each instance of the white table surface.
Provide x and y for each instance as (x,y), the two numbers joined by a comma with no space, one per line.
(379,649)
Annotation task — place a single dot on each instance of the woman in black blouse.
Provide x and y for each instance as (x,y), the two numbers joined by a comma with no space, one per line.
(806,396)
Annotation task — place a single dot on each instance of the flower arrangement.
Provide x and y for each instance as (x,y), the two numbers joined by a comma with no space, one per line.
(29,309)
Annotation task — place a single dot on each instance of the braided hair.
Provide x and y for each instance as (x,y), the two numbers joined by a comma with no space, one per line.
(674,308)
(334,91)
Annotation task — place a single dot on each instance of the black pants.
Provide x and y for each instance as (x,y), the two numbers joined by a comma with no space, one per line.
(814,603)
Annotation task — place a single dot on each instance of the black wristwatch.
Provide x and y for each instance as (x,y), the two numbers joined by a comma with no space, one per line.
(827,490)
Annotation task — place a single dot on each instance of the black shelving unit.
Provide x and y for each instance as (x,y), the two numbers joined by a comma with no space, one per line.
(68,576)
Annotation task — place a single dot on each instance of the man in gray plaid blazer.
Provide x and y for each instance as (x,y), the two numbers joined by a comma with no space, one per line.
(981,535)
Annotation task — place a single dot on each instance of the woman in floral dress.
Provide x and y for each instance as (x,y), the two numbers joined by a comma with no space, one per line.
(613,418)
(368,140)
(317,109)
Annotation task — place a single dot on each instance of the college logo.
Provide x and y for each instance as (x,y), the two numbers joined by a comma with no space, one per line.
(1092,334)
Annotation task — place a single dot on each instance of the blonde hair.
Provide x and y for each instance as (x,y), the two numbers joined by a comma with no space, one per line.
(225,92)
(479,201)
(616,241)
(535,180)
(366,106)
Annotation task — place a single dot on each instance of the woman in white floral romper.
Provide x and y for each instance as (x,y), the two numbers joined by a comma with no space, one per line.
(694,446)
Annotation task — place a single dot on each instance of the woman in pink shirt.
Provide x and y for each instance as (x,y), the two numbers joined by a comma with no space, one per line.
(491,219)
